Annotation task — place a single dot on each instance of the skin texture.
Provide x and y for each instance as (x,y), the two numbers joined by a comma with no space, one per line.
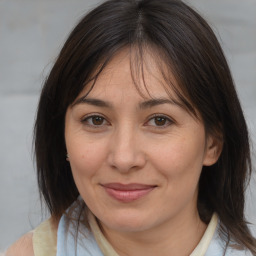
(114,136)
(23,247)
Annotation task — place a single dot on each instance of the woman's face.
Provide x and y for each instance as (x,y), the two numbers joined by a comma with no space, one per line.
(136,160)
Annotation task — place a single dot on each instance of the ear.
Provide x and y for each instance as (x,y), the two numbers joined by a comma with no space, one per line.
(213,149)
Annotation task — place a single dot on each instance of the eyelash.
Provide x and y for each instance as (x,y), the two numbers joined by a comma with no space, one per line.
(85,120)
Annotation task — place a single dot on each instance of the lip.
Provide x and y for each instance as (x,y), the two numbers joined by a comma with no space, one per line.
(127,192)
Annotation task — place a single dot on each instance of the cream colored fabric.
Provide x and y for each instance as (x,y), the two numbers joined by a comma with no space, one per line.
(205,241)
(45,240)
(102,242)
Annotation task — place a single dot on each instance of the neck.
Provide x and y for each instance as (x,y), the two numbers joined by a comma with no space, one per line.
(167,239)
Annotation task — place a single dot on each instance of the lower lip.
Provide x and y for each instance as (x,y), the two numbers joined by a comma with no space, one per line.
(127,196)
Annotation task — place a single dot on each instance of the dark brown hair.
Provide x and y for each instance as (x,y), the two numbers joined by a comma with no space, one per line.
(186,43)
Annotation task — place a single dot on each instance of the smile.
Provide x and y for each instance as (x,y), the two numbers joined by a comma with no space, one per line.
(127,192)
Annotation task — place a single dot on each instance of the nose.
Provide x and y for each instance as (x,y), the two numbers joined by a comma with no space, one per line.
(126,151)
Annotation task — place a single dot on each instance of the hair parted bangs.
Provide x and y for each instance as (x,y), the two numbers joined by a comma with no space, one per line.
(173,40)
(193,68)
(141,55)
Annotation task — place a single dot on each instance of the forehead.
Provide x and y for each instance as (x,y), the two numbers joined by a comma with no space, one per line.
(147,74)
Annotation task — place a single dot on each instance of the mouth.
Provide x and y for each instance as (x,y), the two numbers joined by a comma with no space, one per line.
(127,192)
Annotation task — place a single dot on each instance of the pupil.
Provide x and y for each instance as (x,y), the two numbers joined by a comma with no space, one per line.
(97,120)
(160,121)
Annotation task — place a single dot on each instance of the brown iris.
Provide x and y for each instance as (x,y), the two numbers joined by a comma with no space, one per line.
(160,121)
(97,120)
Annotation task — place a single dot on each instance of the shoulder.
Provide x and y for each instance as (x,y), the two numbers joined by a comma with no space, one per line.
(41,241)
(22,247)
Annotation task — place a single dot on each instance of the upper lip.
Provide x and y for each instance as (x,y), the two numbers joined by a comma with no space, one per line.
(127,187)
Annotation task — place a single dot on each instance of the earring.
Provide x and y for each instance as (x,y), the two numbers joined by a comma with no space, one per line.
(67,157)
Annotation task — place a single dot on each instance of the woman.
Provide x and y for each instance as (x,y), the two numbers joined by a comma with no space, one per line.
(140,140)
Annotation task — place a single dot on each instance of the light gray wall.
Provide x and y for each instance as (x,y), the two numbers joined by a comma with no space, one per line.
(31,34)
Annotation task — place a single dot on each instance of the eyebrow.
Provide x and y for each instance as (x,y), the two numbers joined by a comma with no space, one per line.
(93,102)
(142,105)
(155,102)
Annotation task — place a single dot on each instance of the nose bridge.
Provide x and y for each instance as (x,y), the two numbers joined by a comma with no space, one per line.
(125,152)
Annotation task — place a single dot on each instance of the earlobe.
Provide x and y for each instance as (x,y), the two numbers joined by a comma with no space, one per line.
(213,150)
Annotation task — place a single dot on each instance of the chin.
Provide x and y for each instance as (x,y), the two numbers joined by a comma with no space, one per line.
(125,222)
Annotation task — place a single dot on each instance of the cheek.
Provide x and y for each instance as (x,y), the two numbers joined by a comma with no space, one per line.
(181,158)
(86,160)
(85,157)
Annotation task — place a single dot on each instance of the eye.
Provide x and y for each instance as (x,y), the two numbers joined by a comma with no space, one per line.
(159,121)
(95,120)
